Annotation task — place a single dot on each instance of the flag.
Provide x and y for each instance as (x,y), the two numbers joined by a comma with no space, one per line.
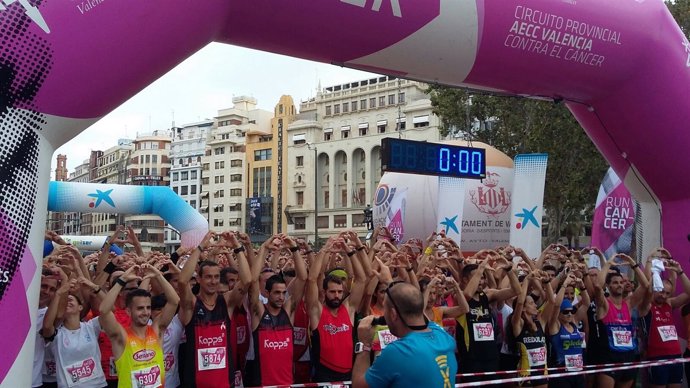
(528,202)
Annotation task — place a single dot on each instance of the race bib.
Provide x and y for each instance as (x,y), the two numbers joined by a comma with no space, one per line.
(168,361)
(386,338)
(50,370)
(483,331)
(238,379)
(536,357)
(622,338)
(241,334)
(573,362)
(668,333)
(147,377)
(211,358)
(80,372)
(112,370)
(300,334)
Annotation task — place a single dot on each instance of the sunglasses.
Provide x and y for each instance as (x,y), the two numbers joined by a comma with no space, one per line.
(395,306)
(567,312)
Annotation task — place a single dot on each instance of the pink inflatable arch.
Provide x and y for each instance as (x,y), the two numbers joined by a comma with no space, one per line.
(622,67)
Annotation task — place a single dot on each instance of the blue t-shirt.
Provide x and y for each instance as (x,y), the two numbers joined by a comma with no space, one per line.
(419,359)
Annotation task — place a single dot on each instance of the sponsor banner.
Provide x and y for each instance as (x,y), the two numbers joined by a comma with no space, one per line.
(486,213)
(614,216)
(389,209)
(451,197)
(528,202)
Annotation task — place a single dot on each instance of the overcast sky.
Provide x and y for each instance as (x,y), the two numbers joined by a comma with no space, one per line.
(200,86)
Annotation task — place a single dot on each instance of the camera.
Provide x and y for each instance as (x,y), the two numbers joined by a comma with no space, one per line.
(379,321)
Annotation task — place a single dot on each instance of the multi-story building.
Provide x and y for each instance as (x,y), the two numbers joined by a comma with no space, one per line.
(111,168)
(224,165)
(87,227)
(73,220)
(186,151)
(267,176)
(56,220)
(334,159)
(150,166)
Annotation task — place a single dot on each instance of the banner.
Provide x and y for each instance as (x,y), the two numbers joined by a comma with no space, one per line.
(254,215)
(451,198)
(614,216)
(528,202)
(486,214)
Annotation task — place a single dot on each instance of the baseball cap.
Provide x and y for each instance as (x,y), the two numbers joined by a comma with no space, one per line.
(566,305)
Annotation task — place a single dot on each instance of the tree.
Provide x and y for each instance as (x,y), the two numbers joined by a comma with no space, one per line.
(520,125)
(680,9)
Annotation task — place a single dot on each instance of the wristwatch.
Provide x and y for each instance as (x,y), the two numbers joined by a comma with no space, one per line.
(361,347)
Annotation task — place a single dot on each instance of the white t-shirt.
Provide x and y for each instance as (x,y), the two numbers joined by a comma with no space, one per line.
(171,343)
(39,350)
(77,356)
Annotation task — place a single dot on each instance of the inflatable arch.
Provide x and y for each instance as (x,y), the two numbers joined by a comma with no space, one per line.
(622,67)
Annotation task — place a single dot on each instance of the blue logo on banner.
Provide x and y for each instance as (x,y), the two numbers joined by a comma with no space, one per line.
(101,196)
(527,218)
(449,223)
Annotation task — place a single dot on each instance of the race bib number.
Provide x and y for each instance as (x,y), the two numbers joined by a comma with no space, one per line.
(238,379)
(211,358)
(573,362)
(483,331)
(147,377)
(536,357)
(112,370)
(622,338)
(51,370)
(80,372)
(668,333)
(300,335)
(168,361)
(386,338)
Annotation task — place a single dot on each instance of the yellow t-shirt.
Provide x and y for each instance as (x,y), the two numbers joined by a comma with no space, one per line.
(141,363)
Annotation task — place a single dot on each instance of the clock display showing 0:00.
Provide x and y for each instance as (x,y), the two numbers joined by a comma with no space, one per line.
(434,159)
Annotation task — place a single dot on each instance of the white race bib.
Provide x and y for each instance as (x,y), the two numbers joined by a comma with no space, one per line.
(149,377)
(573,362)
(238,379)
(536,357)
(622,338)
(668,333)
(386,338)
(300,335)
(81,372)
(211,358)
(483,331)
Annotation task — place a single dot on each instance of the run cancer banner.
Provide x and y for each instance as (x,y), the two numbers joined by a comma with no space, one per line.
(528,202)
(614,216)
(451,198)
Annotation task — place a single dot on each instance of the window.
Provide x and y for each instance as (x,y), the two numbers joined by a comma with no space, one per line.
(264,154)
(220,165)
(401,98)
(300,198)
(300,223)
(363,104)
(147,159)
(300,161)
(175,189)
(219,208)
(235,208)
(328,110)
(322,222)
(326,199)
(300,138)
(372,103)
(219,179)
(219,150)
(354,106)
(184,175)
(205,167)
(235,192)
(204,181)
(363,129)
(343,198)
(381,126)
(420,121)
(391,99)
(327,136)
(192,189)
(345,132)
(357,219)
(346,107)
(340,221)
(217,222)
(261,182)
(236,178)
(175,176)
(192,203)
(236,163)
(401,123)
(336,109)
(192,175)
(154,158)
(219,194)
(184,190)
(382,101)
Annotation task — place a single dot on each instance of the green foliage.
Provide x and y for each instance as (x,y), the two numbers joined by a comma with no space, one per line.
(680,9)
(522,125)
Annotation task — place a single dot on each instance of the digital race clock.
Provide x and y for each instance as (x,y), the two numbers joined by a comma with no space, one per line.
(419,157)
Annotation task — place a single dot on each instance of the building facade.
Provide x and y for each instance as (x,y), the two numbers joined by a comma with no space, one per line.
(186,152)
(334,158)
(111,168)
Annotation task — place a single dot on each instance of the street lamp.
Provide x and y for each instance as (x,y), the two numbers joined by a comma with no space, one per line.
(316,194)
